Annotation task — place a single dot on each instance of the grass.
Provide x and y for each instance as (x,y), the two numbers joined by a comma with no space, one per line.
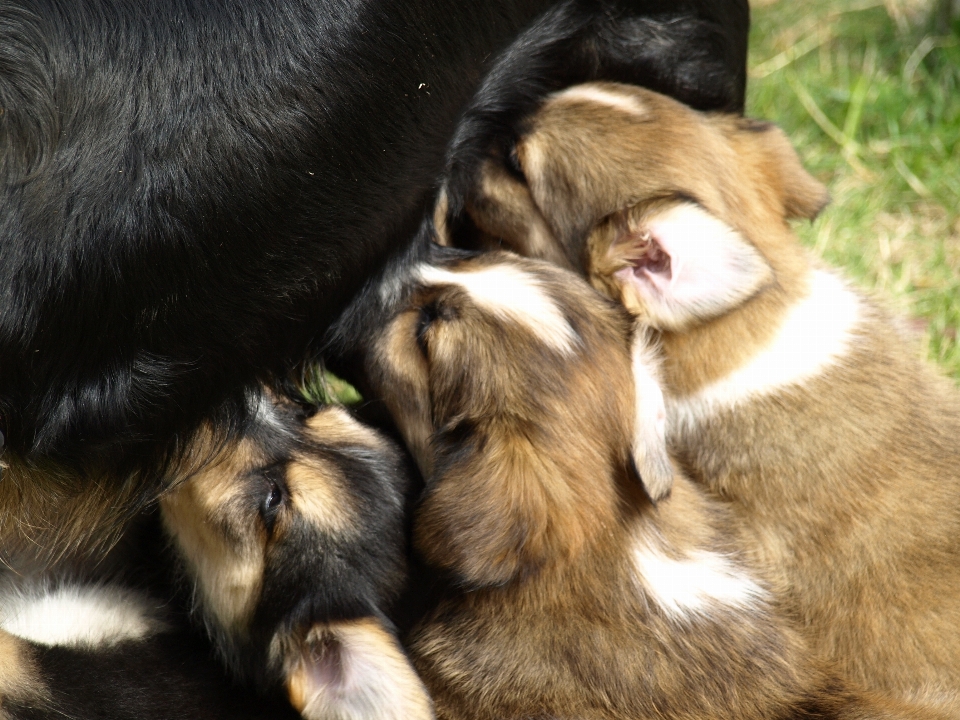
(322,386)
(870,95)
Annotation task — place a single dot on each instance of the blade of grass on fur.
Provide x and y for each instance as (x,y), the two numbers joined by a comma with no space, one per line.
(322,386)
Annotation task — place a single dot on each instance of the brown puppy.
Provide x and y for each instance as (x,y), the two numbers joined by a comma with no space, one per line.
(513,383)
(789,393)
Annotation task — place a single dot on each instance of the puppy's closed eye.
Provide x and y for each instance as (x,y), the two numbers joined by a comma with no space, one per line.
(428,315)
(272,498)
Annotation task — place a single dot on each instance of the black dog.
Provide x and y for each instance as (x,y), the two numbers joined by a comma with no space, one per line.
(191,190)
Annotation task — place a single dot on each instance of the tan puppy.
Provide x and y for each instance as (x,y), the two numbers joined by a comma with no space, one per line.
(513,383)
(790,394)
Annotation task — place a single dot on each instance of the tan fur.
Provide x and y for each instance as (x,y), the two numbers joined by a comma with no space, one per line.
(383,665)
(319,495)
(406,405)
(507,219)
(222,545)
(51,515)
(440,215)
(335,426)
(846,486)
(45,519)
(20,681)
(533,507)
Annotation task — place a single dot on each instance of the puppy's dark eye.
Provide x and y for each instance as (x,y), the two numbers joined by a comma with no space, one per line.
(270,506)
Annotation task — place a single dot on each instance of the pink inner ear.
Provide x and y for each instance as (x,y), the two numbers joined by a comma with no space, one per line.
(354,670)
(686,264)
(325,665)
(646,254)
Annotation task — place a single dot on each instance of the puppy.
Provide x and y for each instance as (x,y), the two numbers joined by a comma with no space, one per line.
(575,596)
(290,543)
(790,394)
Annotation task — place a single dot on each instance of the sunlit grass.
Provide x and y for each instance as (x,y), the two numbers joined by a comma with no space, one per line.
(323,387)
(870,95)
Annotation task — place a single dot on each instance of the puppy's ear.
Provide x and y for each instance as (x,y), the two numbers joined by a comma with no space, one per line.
(353,670)
(485,516)
(680,265)
(501,507)
(801,195)
(650,454)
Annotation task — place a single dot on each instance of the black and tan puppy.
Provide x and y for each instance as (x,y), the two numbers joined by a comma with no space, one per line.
(789,393)
(290,545)
(577,596)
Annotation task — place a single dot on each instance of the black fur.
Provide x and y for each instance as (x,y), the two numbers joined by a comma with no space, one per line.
(694,51)
(170,675)
(190,190)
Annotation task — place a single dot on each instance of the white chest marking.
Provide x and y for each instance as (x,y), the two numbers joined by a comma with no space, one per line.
(814,335)
(513,294)
(77,615)
(695,584)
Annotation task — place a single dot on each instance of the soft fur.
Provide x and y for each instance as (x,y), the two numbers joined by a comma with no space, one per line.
(575,596)
(191,190)
(168,675)
(290,544)
(791,395)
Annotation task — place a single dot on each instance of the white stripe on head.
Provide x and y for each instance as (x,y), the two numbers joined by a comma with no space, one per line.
(510,293)
(815,334)
(77,615)
(696,584)
(600,96)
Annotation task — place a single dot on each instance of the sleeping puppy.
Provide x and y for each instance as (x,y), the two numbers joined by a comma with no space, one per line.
(290,544)
(789,393)
(575,595)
